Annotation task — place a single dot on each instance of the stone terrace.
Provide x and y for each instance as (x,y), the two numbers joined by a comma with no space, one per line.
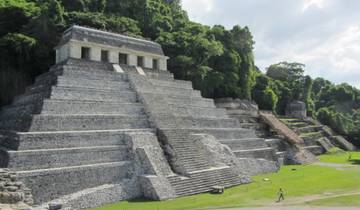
(82,131)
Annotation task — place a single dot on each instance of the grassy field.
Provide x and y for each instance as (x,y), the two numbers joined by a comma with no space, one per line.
(297,181)
(341,157)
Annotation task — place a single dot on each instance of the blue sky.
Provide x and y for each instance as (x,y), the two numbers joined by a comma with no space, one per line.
(322,34)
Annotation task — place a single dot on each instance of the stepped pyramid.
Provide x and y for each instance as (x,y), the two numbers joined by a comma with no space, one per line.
(109,123)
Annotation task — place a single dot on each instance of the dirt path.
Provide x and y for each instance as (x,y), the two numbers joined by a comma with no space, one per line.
(335,165)
(297,208)
(304,199)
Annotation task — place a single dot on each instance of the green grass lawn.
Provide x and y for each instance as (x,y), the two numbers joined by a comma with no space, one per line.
(341,157)
(349,200)
(297,181)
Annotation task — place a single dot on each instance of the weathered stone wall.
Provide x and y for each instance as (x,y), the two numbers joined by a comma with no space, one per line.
(296,109)
(13,191)
(151,167)
(238,104)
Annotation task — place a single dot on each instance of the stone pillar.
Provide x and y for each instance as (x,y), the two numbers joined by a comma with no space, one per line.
(163,64)
(74,51)
(132,59)
(95,54)
(296,109)
(113,56)
(148,62)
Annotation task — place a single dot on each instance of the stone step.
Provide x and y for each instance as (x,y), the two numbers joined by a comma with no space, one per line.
(26,99)
(297,125)
(227,133)
(67,180)
(159,74)
(63,81)
(194,185)
(86,122)
(37,88)
(208,182)
(81,74)
(309,129)
(263,153)
(197,112)
(256,126)
(311,141)
(67,139)
(188,101)
(75,122)
(244,144)
(85,94)
(240,112)
(86,107)
(105,194)
(63,157)
(191,157)
(189,166)
(290,120)
(190,122)
(312,136)
(95,68)
(150,73)
(204,181)
(170,91)
(200,178)
(20,110)
(176,83)
(315,149)
(89,65)
(276,144)
(244,118)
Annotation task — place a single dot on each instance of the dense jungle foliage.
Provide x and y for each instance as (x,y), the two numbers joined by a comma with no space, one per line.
(219,61)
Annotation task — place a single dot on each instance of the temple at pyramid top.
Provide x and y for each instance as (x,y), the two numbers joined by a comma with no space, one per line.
(92,44)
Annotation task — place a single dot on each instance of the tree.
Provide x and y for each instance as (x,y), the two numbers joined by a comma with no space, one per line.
(264,96)
(285,71)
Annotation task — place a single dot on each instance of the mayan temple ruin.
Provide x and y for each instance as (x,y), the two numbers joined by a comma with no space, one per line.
(109,122)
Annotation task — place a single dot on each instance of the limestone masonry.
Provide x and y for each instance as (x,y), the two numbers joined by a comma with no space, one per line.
(109,123)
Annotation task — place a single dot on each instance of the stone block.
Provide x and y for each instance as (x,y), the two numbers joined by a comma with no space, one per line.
(156,188)
(296,109)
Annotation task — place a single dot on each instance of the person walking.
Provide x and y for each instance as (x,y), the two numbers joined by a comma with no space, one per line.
(281,195)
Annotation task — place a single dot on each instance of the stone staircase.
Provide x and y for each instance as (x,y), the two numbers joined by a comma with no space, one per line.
(69,131)
(264,145)
(202,181)
(178,112)
(312,134)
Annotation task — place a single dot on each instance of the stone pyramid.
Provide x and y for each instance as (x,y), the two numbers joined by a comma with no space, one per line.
(88,135)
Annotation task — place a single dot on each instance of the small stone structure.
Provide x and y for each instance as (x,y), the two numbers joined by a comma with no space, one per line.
(296,109)
(91,44)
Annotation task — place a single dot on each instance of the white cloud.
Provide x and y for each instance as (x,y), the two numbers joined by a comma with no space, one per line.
(198,8)
(313,3)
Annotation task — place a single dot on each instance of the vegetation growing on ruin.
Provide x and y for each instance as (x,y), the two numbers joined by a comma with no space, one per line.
(299,182)
(219,61)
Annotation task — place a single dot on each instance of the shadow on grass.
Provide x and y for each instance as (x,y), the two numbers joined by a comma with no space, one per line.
(355,162)
(140,200)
